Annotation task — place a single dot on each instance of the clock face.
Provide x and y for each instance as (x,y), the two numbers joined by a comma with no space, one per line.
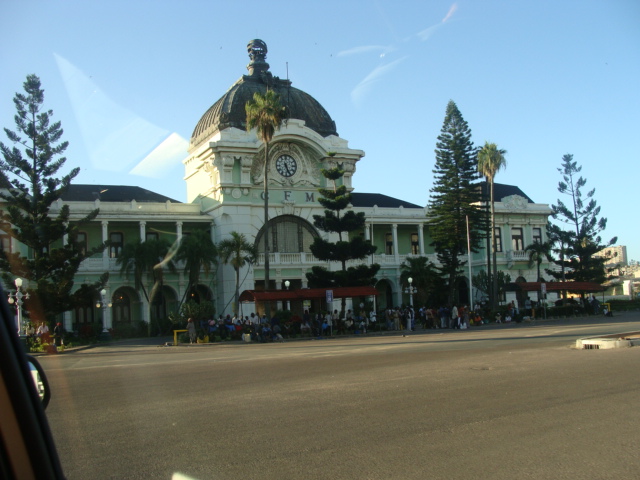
(286,165)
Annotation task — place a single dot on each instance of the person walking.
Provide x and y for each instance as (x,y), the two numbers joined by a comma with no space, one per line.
(191,329)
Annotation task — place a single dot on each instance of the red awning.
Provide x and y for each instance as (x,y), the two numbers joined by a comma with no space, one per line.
(558,286)
(306,294)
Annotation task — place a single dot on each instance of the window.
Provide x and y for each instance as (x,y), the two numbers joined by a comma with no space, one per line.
(117,242)
(151,236)
(517,239)
(388,244)
(5,243)
(537,235)
(288,234)
(121,309)
(84,315)
(415,246)
(497,239)
(81,241)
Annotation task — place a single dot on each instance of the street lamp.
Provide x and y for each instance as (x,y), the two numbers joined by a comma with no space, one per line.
(410,290)
(16,297)
(103,304)
(287,284)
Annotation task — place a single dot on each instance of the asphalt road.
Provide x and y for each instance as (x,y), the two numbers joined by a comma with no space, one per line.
(512,402)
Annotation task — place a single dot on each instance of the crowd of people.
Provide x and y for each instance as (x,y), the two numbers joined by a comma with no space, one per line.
(261,329)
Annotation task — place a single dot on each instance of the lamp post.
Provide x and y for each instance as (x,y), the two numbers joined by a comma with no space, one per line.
(287,284)
(102,304)
(17,297)
(410,290)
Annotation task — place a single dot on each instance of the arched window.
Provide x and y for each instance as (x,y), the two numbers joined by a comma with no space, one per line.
(288,234)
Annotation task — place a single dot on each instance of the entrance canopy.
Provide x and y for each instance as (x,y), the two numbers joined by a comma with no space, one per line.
(556,287)
(305,294)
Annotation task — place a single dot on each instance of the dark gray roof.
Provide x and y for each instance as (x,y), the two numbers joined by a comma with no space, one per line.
(382,201)
(229,110)
(113,193)
(500,191)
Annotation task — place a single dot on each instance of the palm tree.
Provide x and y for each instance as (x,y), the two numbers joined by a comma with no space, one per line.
(537,253)
(148,258)
(265,113)
(199,253)
(237,252)
(425,277)
(490,161)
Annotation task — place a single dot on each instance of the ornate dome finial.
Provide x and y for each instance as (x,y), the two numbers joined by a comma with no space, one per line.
(257,50)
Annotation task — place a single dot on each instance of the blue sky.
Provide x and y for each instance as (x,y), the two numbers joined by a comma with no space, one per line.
(130,79)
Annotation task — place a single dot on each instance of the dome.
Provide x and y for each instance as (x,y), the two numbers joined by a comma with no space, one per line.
(229,111)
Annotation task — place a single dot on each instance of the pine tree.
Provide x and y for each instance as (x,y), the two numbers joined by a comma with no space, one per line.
(350,245)
(454,197)
(27,169)
(583,227)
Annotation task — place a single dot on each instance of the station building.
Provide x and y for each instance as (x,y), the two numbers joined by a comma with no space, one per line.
(224,175)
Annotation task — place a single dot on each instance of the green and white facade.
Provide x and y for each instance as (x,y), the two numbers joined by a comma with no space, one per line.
(224,175)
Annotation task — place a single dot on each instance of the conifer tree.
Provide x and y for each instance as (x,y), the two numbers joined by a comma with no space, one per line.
(350,245)
(454,197)
(27,171)
(584,226)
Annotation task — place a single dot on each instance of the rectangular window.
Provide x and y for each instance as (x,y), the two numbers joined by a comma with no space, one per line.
(388,249)
(81,241)
(5,243)
(151,236)
(415,246)
(537,235)
(116,240)
(517,239)
(497,238)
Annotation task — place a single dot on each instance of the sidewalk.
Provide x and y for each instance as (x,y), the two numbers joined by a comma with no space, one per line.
(168,340)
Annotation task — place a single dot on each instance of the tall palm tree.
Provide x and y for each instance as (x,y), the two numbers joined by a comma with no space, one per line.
(537,253)
(490,161)
(150,258)
(199,253)
(237,252)
(265,113)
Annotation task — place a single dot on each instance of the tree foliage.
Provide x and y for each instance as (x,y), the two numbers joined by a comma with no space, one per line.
(348,247)
(265,113)
(27,171)
(482,282)
(146,261)
(454,197)
(238,252)
(490,161)
(426,280)
(198,253)
(538,253)
(581,217)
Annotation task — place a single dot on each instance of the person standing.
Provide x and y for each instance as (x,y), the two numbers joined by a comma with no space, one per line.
(43,332)
(191,329)
(57,335)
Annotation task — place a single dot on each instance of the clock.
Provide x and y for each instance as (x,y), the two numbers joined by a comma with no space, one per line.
(286,165)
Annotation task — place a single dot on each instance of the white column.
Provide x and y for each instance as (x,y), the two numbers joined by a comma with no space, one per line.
(394,232)
(366,232)
(143,230)
(105,252)
(179,230)
(107,311)
(421,238)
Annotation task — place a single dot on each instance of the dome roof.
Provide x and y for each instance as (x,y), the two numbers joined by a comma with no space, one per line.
(229,111)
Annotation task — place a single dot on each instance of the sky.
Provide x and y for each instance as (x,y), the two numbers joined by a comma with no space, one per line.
(129,81)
